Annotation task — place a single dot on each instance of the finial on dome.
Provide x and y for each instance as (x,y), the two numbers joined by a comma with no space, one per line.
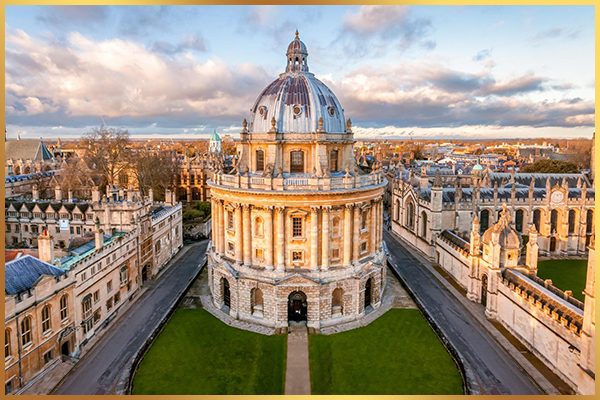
(297,37)
(320,129)
(244,125)
(273,124)
(349,125)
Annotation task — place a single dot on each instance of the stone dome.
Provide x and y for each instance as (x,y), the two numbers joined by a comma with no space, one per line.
(507,237)
(297,100)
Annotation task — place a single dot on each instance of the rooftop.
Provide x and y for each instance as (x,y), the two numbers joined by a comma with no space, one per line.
(23,273)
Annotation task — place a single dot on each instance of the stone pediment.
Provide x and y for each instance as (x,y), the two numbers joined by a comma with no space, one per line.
(298,280)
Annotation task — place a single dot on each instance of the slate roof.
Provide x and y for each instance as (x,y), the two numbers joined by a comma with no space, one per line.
(27,149)
(23,273)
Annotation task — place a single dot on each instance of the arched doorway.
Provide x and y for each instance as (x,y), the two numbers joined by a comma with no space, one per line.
(368,292)
(145,273)
(297,307)
(484,285)
(552,244)
(226,292)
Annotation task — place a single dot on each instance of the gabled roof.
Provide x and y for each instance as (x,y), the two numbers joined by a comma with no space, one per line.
(23,273)
(27,149)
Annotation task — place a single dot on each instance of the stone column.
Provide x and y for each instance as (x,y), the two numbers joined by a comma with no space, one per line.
(238,234)
(347,234)
(269,238)
(213,208)
(325,239)
(356,233)
(280,238)
(247,236)
(373,231)
(314,238)
(221,226)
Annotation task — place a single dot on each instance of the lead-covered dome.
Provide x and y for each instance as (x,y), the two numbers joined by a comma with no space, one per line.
(297,100)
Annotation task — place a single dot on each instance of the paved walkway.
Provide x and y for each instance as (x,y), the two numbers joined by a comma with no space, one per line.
(297,372)
(490,367)
(104,368)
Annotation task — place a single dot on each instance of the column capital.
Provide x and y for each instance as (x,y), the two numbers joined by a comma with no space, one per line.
(279,209)
(270,208)
(349,206)
(314,209)
(326,209)
(246,207)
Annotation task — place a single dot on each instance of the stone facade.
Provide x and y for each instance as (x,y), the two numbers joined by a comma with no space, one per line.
(297,226)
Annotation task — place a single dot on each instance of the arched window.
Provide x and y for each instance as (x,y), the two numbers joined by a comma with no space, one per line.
(26,331)
(27,170)
(424,225)
(519,221)
(337,302)
(553,220)
(17,170)
(335,224)
(64,307)
(46,323)
(397,214)
(260,160)
(7,343)
(571,221)
(333,160)
(364,218)
(225,292)
(484,220)
(410,215)
(537,218)
(297,161)
(256,302)
(589,221)
(258,226)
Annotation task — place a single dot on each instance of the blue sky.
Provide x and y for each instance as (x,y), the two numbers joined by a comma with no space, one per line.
(184,71)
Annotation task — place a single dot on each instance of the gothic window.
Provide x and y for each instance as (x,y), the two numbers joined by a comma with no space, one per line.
(297,227)
(537,217)
(333,160)
(553,220)
(7,344)
(589,221)
(571,221)
(424,225)
(260,160)
(519,220)
(64,307)
(484,220)
(46,318)
(410,215)
(297,161)
(26,331)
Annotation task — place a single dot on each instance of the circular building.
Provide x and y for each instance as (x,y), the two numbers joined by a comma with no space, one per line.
(297,224)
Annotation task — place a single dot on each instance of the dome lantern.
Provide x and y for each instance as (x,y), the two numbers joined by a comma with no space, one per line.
(296,56)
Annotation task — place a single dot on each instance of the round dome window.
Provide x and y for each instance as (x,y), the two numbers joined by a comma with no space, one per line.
(297,110)
(262,110)
(331,110)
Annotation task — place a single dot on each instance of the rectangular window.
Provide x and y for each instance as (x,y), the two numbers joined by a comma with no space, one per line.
(46,319)
(34,229)
(7,349)
(260,255)
(78,230)
(26,331)
(64,310)
(97,316)
(7,227)
(109,286)
(364,217)
(48,357)
(260,160)
(363,247)
(297,161)
(57,230)
(109,304)
(229,220)
(335,254)
(333,160)
(37,215)
(17,228)
(96,296)
(117,297)
(230,247)
(296,226)
(71,230)
(124,275)
(297,256)
(26,228)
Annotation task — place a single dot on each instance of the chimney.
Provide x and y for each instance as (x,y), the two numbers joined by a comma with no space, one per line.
(46,247)
(168,197)
(99,236)
(57,193)
(70,195)
(35,193)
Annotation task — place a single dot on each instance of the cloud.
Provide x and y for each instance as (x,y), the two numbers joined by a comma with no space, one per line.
(556,32)
(59,16)
(373,29)
(122,81)
(139,21)
(482,55)
(191,42)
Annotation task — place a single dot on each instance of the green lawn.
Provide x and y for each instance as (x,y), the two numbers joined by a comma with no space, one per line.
(565,274)
(198,354)
(397,354)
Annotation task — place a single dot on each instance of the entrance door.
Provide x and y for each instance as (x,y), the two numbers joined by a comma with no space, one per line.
(368,292)
(484,285)
(226,293)
(64,349)
(145,273)
(297,307)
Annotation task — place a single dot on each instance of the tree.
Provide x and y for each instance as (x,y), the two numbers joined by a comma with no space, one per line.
(153,169)
(551,167)
(107,153)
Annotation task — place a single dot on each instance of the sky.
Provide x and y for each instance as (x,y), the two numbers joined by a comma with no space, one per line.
(398,71)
